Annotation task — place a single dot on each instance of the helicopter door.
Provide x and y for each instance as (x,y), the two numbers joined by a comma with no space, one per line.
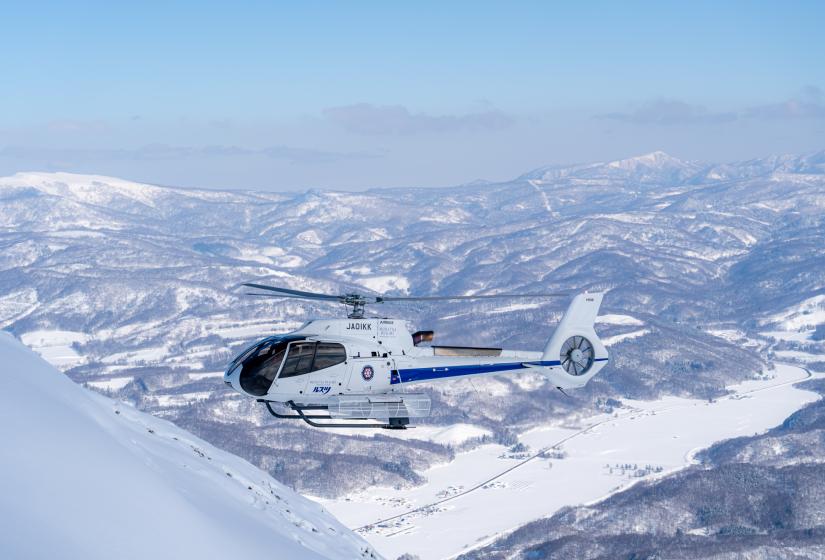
(292,379)
(329,370)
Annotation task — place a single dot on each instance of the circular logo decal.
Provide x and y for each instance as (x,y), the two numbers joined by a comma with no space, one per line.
(367,373)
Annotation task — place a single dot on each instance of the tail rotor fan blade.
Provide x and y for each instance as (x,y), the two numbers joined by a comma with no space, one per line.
(576,355)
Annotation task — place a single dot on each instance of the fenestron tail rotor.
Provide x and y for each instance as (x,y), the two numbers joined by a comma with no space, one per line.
(576,355)
(358,302)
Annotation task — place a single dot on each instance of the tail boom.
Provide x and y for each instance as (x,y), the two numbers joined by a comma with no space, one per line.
(572,356)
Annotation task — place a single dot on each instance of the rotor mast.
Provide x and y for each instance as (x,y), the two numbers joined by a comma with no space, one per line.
(358,304)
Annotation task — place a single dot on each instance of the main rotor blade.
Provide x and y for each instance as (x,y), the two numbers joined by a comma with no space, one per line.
(293,293)
(381,299)
(282,296)
(361,299)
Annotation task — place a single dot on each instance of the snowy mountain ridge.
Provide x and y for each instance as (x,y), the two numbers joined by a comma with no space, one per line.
(83,476)
(134,290)
(660,168)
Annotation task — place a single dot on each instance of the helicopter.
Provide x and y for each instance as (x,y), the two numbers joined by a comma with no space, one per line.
(357,372)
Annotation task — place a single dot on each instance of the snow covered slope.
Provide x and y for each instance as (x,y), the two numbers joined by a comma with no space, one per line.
(83,476)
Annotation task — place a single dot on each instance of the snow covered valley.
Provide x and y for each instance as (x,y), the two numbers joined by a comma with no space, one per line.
(86,477)
(713,273)
(489,491)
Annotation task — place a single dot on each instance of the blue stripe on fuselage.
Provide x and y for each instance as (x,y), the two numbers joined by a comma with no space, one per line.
(425,374)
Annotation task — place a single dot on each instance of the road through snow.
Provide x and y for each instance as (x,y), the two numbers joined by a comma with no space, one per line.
(483,493)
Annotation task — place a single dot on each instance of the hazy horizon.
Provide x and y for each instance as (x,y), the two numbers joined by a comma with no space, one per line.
(352,97)
(482,180)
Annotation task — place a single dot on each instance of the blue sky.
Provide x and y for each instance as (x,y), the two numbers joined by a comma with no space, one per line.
(357,95)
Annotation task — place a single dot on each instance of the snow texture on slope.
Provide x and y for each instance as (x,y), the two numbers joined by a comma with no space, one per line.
(83,476)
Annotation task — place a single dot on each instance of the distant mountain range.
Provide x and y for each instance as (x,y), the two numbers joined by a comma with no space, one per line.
(134,289)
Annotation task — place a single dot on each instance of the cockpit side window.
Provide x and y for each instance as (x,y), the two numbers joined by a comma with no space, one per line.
(298,360)
(270,366)
(328,354)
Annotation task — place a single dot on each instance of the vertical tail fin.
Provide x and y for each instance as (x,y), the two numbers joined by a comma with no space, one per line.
(574,353)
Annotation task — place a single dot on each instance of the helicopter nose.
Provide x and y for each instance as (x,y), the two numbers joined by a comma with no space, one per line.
(232,377)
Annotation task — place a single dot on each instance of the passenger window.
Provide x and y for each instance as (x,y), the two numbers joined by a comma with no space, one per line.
(329,354)
(298,360)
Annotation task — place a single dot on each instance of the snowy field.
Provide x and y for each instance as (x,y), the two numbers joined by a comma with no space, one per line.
(56,346)
(580,464)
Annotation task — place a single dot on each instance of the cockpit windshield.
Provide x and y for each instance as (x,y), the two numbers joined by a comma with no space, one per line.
(261,362)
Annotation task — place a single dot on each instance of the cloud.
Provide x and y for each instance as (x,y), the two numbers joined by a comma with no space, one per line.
(664,111)
(809,103)
(75,126)
(301,155)
(157,152)
(365,118)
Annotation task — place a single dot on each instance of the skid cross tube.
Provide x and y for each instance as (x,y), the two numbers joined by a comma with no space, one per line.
(294,416)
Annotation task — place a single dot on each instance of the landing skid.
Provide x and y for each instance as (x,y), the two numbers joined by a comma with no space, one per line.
(300,414)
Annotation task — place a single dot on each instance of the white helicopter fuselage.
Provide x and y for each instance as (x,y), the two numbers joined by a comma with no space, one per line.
(362,368)
(385,347)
